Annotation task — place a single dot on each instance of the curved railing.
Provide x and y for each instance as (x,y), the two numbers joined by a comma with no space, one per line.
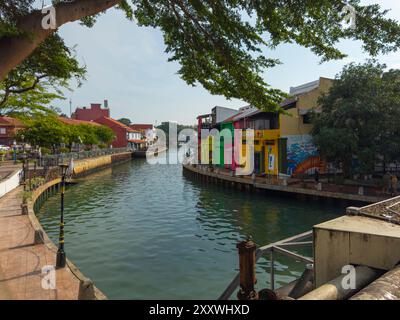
(87,290)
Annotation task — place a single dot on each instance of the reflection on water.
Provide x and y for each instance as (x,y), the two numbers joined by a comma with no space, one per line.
(144,231)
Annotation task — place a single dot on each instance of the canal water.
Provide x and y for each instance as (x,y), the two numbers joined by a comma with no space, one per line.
(144,231)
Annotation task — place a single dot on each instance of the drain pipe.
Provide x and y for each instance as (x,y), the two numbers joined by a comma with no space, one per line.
(386,287)
(305,283)
(334,289)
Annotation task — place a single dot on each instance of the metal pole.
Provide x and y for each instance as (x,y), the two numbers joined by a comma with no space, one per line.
(61,256)
(272,270)
(15,154)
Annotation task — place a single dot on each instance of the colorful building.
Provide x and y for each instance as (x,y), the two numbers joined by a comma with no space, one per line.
(266,140)
(302,155)
(204,122)
(282,142)
(8,128)
(211,143)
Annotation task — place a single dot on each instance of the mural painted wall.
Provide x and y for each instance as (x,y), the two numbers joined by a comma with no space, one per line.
(299,148)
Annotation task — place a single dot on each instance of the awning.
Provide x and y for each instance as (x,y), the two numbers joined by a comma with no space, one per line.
(137,141)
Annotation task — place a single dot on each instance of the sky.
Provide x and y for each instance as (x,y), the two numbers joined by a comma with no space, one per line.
(126,65)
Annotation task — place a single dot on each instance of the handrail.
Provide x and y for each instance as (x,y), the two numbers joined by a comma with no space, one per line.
(55,160)
(272,248)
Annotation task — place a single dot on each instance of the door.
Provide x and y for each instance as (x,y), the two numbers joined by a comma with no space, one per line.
(258,163)
(282,155)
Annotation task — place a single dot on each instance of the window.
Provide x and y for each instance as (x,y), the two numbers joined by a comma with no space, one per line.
(307,119)
(3,131)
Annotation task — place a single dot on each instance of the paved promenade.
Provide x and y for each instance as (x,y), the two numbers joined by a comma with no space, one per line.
(21,262)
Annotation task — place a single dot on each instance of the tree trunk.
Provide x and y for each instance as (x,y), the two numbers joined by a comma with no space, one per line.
(13,50)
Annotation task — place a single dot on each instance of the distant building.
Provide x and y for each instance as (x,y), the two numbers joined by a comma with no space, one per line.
(125,136)
(147,130)
(94,112)
(8,128)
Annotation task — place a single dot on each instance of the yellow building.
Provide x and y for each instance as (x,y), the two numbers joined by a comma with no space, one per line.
(265,158)
(295,128)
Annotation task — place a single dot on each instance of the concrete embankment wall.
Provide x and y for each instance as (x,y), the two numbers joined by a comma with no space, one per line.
(87,290)
(87,166)
(250,185)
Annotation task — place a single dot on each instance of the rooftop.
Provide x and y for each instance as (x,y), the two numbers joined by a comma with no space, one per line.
(113,121)
(141,126)
(9,121)
(77,122)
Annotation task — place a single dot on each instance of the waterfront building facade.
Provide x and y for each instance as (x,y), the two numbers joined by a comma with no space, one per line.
(8,128)
(282,142)
(148,133)
(302,155)
(124,136)
(204,122)
(266,140)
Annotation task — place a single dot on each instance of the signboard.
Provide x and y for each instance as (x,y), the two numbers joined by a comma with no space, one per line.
(271,162)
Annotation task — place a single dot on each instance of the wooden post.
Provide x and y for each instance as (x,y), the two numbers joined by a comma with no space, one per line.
(247,265)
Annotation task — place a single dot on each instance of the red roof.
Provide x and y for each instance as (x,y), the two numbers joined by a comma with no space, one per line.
(77,122)
(118,124)
(141,126)
(8,121)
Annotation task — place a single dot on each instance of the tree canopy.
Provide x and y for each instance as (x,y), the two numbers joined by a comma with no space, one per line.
(38,80)
(49,132)
(125,121)
(219,44)
(360,116)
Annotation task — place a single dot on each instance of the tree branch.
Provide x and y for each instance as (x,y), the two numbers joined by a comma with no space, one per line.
(8,90)
(13,50)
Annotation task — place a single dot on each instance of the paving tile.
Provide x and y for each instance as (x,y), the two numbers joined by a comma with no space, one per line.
(21,262)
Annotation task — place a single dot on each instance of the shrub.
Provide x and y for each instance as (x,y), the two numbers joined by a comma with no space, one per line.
(45,151)
(64,150)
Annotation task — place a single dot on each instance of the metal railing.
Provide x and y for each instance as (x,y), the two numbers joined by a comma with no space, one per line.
(56,160)
(272,249)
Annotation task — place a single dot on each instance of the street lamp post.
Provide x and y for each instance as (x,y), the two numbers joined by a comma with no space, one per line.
(61,256)
(15,152)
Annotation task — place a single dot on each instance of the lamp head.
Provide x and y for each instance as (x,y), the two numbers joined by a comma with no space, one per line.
(64,168)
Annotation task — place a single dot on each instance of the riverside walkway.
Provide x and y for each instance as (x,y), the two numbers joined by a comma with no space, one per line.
(27,254)
(22,262)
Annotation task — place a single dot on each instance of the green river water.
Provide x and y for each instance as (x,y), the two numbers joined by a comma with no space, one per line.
(144,231)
